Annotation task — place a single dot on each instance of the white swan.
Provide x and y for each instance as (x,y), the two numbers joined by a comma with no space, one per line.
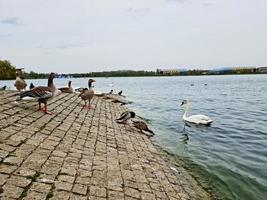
(196,119)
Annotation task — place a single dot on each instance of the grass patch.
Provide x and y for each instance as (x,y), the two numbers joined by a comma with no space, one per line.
(23,194)
(34,177)
(49,195)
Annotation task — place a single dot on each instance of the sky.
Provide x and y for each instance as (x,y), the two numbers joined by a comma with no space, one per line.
(97,35)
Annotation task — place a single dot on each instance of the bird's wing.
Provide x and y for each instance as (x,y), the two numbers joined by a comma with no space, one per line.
(63,88)
(38,92)
(84,95)
(199,118)
(123,115)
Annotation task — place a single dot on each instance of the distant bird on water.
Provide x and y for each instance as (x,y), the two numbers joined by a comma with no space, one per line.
(110,92)
(87,94)
(142,126)
(68,89)
(32,86)
(20,84)
(3,88)
(125,116)
(41,93)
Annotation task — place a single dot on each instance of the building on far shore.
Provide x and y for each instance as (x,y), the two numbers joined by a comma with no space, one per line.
(262,69)
(171,72)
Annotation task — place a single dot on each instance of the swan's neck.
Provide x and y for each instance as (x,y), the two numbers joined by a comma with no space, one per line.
(186,111)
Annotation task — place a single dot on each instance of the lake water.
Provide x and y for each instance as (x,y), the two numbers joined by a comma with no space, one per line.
(231,155)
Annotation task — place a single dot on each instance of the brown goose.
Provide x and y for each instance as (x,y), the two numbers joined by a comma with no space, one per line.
(68,89)
(87,94)
(20,84)
(142,126)
(41,93)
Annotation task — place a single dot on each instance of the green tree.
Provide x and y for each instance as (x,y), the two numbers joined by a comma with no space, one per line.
(7,71)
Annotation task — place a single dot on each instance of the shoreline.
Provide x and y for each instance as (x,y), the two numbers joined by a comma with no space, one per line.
(142,76)
(182,170)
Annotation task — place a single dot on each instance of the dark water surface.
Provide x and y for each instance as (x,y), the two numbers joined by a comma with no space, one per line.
(232,153)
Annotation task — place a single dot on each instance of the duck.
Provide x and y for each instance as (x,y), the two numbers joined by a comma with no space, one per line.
(20,84)
(3,88)
(142,126)
(31,86)
(68,89)
(195,119)
(125,116)
(87,94)
(110,92)
(41,93)
(120,93)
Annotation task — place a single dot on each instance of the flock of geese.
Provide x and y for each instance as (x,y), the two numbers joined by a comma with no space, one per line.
(44,93)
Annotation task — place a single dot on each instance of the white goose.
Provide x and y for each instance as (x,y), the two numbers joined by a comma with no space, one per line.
(195,119)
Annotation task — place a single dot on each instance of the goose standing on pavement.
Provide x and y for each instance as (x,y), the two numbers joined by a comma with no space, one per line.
(142,127)
(195,119)
(125,116)
(42,93)
(20,84)
(88,94)
(68,89)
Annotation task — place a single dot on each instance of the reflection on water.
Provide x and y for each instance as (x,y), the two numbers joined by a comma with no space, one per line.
(232,153)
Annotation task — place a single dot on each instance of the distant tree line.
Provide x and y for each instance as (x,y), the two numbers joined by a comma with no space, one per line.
(119,73)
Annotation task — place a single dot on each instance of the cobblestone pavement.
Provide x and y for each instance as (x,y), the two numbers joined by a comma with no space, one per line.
(79,154)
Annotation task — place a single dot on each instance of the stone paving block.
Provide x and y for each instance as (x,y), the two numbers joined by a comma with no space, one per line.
(19,181)
(60,195)
(3,179)
(66,178)
(80,189)
(83,180)
(40,187)
(98,191)
(13,160)
(7,169)
(63,186)
(71,171)
(132,192)
(32,195)
(11,191)
(115,195)
(77,197)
